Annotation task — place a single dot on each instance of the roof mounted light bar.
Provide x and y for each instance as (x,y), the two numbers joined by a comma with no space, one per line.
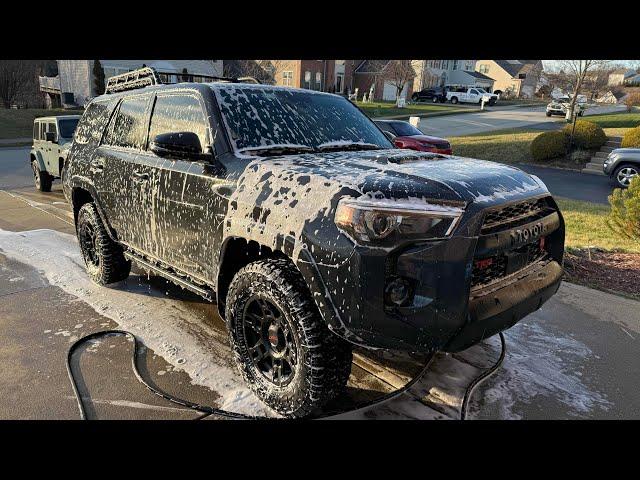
(148,76)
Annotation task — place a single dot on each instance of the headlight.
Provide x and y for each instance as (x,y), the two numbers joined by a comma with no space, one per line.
(385,222)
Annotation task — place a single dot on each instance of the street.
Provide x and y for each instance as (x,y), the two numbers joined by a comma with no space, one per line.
(567,360)
(498,118)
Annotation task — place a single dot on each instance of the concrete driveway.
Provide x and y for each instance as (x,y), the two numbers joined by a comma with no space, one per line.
(567,360)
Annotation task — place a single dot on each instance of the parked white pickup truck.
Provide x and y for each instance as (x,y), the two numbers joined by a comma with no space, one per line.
(470,95)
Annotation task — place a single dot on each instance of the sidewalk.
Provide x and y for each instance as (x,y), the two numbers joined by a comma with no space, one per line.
(15,142)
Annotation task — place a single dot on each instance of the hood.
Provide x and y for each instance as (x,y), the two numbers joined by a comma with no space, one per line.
(399,173)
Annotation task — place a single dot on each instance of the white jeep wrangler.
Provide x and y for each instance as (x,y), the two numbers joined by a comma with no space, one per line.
(52,138)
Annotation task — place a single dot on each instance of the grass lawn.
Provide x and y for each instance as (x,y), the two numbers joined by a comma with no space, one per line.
(389,109)
(19,123)
(615,120)
(586,227)
(505,146)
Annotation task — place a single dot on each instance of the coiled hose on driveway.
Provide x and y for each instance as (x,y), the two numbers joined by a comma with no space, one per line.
(208,410)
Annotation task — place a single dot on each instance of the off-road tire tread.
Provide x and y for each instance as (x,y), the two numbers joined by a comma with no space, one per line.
(113,267)
(328,358)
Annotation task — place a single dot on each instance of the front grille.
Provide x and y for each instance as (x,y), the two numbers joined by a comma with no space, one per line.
(515,215)
(490,269)
(499,265)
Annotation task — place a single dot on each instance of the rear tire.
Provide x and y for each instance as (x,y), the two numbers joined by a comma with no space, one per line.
(41,179)
(104,258)
(548,114)
(282,347)
(454,100)
(434,99)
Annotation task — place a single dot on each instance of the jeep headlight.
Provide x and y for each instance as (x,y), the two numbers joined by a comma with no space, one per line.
(385,222)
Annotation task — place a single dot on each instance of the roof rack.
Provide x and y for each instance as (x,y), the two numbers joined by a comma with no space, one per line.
(143,77)
(148,76)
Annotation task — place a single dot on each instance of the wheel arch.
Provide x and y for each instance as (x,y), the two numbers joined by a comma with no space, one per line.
(83,192)
(236,253)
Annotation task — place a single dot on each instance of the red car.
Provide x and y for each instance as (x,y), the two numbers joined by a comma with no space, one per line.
(406,135)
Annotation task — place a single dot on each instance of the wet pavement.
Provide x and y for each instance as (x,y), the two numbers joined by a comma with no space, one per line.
(575,358)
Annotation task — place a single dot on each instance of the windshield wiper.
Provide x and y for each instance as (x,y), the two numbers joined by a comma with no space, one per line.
(339,146)
(278,150)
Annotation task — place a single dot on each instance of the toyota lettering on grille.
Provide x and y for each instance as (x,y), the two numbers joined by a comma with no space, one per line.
(525,235)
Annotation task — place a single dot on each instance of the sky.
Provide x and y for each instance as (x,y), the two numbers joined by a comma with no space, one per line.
(553,64)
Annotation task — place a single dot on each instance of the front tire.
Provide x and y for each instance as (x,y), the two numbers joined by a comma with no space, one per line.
(624,174)
(283,349)
(42,180)
(104,258)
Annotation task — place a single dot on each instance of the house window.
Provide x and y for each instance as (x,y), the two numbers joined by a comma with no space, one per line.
(484,68)
(307,79)
(287,78)
(318,81)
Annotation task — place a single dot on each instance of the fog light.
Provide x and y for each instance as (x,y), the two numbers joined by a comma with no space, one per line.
(397,291)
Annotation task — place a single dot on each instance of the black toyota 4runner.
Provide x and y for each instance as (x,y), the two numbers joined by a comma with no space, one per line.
(296,214)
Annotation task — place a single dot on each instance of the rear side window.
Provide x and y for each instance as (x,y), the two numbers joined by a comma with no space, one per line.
(129,127)
(93,121)
(36,130)
(43,129)
(178,113)
(51,127)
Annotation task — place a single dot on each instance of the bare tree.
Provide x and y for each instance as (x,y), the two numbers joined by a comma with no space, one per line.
(13,79)
(396,72)
(262,70)
(576,71)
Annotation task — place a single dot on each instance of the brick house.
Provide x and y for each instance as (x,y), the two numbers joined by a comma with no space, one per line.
(371,73)
(518,77)
(335,76)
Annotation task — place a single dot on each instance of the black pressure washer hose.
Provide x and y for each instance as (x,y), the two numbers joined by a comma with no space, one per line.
(241,416)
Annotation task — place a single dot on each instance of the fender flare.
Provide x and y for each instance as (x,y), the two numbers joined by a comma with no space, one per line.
(39,159)
(84,183)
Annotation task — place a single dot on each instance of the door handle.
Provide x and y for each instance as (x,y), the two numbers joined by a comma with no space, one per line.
(139,177)
(97,166)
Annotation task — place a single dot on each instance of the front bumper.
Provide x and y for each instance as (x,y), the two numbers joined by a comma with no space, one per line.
(446,311)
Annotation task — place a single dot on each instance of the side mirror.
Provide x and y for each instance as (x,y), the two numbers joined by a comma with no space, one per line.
(178,144)
(389,135)
(50,137)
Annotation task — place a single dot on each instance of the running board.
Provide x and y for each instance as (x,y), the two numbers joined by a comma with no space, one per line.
(207,294)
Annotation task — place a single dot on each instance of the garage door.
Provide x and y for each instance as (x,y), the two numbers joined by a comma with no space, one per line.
(389,92)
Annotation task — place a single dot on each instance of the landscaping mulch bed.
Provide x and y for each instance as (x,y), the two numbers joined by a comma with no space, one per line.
(608,271)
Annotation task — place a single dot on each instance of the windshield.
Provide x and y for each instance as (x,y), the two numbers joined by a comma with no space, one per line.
(404,129)
(67,126)
(262,117)
(481,90)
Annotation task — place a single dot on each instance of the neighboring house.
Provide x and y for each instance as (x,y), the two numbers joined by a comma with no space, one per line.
(333,76)
(74,84)
(372,76)
(611,97)
(620,76)
(438,73)
(517,77)
(633,80)
(471,79)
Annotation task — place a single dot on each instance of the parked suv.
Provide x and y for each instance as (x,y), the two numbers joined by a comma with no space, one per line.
(294,212)
(622,165)
(52,137)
